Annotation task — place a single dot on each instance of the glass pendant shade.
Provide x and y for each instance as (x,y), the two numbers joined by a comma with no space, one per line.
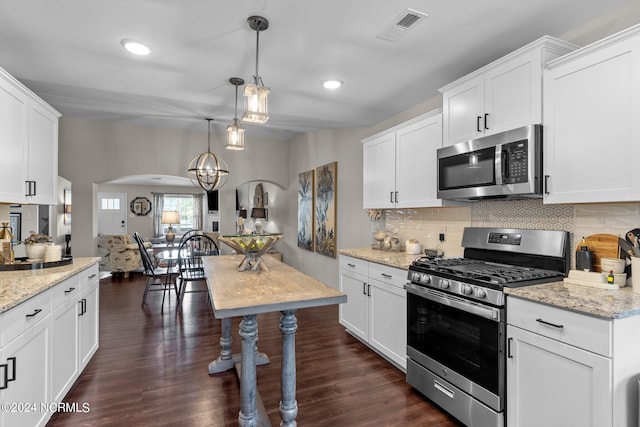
(235,136)
(207,170)
(255,104)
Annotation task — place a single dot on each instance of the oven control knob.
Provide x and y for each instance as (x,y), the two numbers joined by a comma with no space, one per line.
(415,276)
(445,284)
(467,289)
(426,278)
(481,293)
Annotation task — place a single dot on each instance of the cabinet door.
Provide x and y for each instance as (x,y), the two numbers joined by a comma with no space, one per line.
(550,383)
(462,111)
(378,169)
(388,321)
(354,314)
(89,322)
(13,134)
(64,348)
(43,154)
(416,163)
(591,128)
(513,94)
(29,354)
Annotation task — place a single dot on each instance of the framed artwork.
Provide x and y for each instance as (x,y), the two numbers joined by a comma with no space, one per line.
(15,221)
(326,187)
(305,210)
(67,206)
(140,206)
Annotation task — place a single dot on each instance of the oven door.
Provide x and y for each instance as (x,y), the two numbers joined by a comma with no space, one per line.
(459,340)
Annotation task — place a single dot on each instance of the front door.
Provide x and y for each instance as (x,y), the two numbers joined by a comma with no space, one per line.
(112,213)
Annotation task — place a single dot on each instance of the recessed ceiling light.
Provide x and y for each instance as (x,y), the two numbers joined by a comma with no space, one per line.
(331,84)
(135,47)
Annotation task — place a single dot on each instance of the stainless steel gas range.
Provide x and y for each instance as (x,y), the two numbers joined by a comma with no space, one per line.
(456,316)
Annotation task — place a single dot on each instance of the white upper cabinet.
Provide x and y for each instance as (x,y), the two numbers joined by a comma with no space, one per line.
(503,95)
(591,111)
(400,164)
(29,140)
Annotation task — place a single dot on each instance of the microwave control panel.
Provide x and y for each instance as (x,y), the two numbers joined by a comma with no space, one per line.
(516,169)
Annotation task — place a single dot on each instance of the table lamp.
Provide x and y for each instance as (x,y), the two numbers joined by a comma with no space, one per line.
(170,217)
(258,214)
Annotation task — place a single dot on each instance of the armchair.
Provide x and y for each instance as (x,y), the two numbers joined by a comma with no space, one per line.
(119,253)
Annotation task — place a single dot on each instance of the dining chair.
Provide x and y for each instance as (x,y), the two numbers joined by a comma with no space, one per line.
(188,234)
(158,278)
(190,265)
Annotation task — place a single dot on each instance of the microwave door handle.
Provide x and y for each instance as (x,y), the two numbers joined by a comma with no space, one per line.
(499,165)
(504,156)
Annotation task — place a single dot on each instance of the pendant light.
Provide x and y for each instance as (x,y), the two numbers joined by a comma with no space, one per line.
(255,95)
(235,133)
(207,170)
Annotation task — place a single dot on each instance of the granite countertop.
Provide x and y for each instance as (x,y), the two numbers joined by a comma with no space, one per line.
(602,303)
(281,287)
(392,259)
(18,286)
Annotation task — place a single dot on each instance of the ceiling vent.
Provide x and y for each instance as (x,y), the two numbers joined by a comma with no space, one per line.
(401,25)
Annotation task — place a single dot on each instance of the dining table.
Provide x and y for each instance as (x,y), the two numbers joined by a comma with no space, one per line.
(246,294)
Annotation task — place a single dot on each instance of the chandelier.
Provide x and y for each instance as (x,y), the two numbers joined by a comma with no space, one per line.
(207,170)
(256,94)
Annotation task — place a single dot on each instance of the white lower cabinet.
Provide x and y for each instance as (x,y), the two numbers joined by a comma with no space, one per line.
(376,307)
(45,342)
(89,310)
(569,369)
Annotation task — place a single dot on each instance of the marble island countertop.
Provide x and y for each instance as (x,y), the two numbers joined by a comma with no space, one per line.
(392,259)
(18,286)
(602,303)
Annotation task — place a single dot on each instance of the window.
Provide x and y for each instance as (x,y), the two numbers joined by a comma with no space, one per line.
(183,203)
(108,204)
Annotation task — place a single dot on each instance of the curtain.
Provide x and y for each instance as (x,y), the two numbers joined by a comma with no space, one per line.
(197,212)
(158,204)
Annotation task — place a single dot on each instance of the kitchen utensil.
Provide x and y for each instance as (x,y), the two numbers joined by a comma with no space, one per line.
(602,246)
(633,237)
(626,249)
(612,264)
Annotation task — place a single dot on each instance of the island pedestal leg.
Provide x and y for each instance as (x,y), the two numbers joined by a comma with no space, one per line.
(226,360)
(288,404)
(248,416)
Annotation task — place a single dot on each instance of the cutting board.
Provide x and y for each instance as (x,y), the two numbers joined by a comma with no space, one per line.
(602,246)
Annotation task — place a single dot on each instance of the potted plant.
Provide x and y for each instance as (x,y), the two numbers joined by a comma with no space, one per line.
(34,245)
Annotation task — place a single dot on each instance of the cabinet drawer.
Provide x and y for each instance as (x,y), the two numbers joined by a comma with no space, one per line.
(22,317)
(355,265)
(389,275)
(89,277)
(586,332)
(64,291)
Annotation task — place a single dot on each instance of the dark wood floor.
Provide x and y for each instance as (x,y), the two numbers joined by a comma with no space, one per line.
(151,370)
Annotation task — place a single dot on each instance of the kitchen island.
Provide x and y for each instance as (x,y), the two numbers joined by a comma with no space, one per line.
(249,293)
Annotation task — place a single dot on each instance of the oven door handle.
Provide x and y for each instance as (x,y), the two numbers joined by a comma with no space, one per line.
(453,301)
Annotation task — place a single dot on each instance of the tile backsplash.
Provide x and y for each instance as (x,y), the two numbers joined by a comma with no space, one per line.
(425,224)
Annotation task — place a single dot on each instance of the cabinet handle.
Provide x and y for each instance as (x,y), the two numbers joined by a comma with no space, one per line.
(83,306)
(364,288)
(553,325)
(368,290)
(35,312)
(386,276)
(509,355)
(13,369)
(5,370)
(34,188)
(486,116)
(478,118)
(92,276)
(69,290)
(351,265)
(391,196)
(396,197)
(546,184)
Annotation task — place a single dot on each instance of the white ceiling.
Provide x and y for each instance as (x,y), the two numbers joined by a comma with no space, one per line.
(68,52)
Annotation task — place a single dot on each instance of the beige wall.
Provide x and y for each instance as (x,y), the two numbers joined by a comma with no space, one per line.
(94,152)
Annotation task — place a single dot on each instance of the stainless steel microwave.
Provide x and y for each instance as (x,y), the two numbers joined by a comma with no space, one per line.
(504,165)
